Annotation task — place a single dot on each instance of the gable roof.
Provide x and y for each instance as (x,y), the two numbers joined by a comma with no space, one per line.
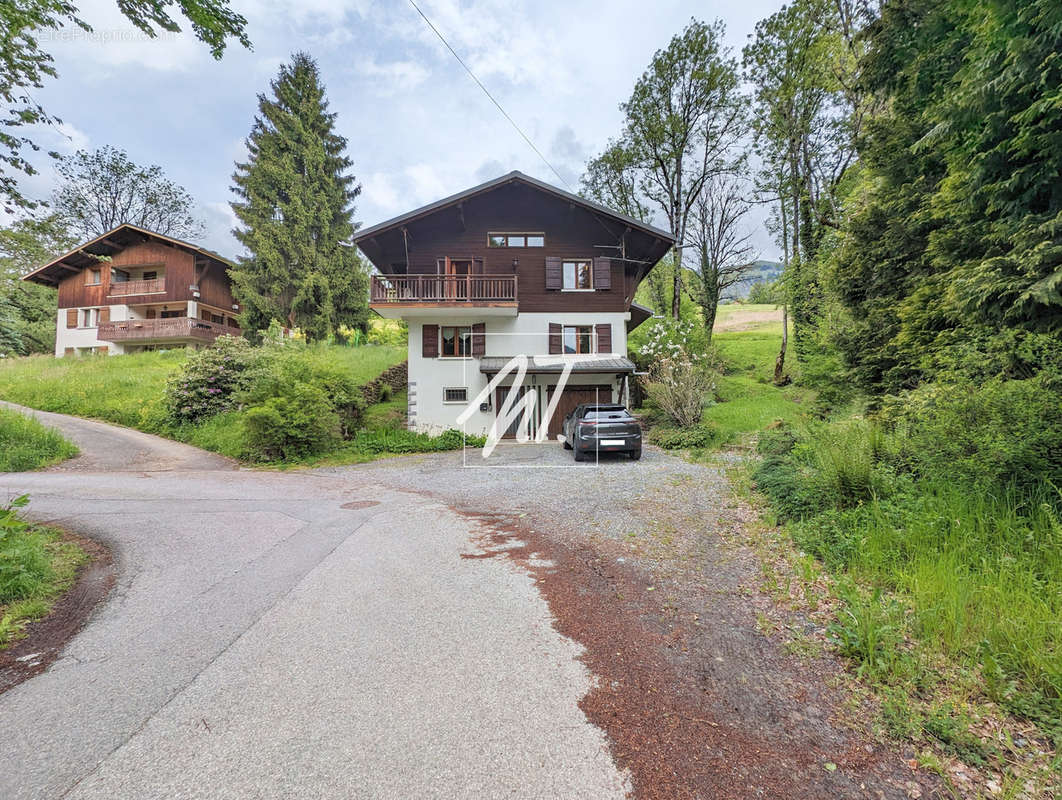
(109,243)
(511,177)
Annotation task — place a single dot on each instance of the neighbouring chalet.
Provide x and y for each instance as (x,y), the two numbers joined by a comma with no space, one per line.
(132,289)
(512,266)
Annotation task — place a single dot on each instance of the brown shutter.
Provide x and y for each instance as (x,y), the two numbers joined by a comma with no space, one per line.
(602,273)
(150,313)
(554,269)
(479,340)
(477,266)
(554,338)
(604,338)
(105,314)
(429,341)
(71,318)
(205,315)
(102,350)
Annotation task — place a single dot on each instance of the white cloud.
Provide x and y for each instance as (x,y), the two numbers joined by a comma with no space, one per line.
(391,77)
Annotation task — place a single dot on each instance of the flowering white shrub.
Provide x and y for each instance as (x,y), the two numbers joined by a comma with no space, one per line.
(681,379)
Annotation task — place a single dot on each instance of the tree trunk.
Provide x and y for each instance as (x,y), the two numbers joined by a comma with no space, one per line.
(676,286)
(780,378)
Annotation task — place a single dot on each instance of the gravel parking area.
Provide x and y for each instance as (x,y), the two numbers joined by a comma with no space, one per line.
(646,565)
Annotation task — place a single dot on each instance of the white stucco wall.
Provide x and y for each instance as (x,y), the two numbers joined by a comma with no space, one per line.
(505,336)
(80,338)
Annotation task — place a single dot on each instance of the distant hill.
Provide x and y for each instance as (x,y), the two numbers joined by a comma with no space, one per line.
(761,271)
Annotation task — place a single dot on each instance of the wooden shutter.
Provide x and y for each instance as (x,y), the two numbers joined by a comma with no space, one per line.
(429,341)
(479,340)
(554,338)
(602,273)
(71,317)
(105,314)
(150,313)
(604,338)
(554,269)
(205,315)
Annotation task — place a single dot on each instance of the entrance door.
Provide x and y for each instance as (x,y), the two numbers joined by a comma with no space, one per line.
(458,272)
(572,397)
(499,396)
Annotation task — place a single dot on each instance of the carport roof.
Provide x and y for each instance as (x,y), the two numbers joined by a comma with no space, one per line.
(551,364)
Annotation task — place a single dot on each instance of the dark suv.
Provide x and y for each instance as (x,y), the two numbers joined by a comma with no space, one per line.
(602,428)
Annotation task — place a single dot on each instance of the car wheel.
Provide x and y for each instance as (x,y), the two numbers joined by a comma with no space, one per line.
(636,454)
(579,454)
(566,445)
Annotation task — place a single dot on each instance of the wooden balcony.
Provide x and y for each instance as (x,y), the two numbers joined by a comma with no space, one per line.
(175,328)
(396,295)
(127,288)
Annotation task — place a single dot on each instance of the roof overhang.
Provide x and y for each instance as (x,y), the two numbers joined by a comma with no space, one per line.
(96,251)
(538,365)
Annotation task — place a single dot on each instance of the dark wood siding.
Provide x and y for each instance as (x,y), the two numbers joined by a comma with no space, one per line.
(180,272)
(570,231)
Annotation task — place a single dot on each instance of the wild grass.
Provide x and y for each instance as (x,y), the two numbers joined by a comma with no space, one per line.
(36,566)
(26,444)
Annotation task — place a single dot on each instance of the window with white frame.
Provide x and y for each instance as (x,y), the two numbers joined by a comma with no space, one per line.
(90,317)
(578,338)
(456,341)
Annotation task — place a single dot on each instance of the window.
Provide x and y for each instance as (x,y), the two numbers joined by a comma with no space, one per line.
(217,319)
(455,395)
(578,338)
(92,277)
(90,317)
(119,275)
(150,275)
(578,275)
(171,314)
(456,341)
(516,240)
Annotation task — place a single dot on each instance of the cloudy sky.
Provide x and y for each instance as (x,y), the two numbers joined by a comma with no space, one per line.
(417,127)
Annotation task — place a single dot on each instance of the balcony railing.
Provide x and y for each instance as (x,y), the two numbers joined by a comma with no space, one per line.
(126,288)
(443,289)
(173,328)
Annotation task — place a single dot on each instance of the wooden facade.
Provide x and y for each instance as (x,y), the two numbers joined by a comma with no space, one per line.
(182,270)
(458,230)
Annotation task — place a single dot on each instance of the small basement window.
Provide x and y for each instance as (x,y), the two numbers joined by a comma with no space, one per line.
(455,395)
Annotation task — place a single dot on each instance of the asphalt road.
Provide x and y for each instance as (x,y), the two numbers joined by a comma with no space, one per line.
(263,640)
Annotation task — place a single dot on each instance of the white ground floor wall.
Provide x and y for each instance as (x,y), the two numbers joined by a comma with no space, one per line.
(528,334)
(82,340)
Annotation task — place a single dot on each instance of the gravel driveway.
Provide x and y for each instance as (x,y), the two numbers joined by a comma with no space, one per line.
(423,626)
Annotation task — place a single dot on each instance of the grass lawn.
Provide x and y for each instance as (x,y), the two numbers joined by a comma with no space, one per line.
(26,444)
(128,390)
(36,566)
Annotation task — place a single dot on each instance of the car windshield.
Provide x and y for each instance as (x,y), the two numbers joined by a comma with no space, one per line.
(600,413)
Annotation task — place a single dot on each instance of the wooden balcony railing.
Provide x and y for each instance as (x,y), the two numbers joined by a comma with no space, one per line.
(173,328)
(443,289)
(126,288)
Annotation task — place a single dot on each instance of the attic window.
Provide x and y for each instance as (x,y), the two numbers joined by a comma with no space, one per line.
(92,277)
(516,240)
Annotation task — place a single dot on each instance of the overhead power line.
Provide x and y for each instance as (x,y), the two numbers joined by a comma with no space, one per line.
(479,83)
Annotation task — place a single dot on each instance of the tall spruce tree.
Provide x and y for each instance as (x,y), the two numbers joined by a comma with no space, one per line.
(296,210)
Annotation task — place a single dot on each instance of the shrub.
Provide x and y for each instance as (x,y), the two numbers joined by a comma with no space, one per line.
(283,366)
(986,437)
(703,435)
(297,421)
(390,440)
(25,563)
(210,380)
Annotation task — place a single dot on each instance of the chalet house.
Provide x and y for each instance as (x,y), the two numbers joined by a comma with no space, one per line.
(512,266)
(132,289)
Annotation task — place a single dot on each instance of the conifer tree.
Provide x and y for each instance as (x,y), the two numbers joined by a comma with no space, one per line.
(295,207)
